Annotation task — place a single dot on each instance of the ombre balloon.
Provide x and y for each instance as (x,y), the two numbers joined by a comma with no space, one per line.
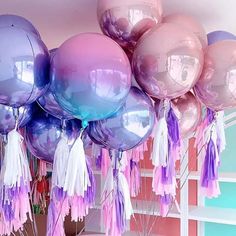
(126,21)
(50,105)
(91,76)
(167,61)
(24,67)
(188,111)
(43,133)
(8,117)
(129,127)
(18,22)
(219,35)
(189,23)
(216,87)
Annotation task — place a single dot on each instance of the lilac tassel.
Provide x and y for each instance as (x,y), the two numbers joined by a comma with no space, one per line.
(134,179)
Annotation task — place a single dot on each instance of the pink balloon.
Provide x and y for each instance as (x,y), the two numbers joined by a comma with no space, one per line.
(188,110)
(167,61)
(216,87)
(190,23)
(126,21)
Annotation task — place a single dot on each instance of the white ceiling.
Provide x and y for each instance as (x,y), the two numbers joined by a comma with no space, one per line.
(57,20)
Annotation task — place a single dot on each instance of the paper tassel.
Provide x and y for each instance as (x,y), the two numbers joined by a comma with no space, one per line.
(135,178)
(15,180)
(166,151)
(117,207)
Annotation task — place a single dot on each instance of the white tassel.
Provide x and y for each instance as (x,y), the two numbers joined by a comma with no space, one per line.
(77,178)
(15,165)
(160,143)
(61,157)
(220,126)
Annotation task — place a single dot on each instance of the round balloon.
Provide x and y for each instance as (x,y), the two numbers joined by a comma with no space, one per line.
(188,111)
(216,87)
(18,22)
(167,61)
(24,67)
(8,117)
(219,35)
(43,133)
(49,104)
(190,23)
(129,127)
(126,21)
(91,76)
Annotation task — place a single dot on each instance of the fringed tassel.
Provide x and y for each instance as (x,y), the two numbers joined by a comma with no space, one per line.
(166,151)
(117,207)
(15,180)
(135,178)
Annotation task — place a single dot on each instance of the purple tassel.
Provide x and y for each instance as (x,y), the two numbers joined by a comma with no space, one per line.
(210,168)
(99,160)
(173,128)
(210,115)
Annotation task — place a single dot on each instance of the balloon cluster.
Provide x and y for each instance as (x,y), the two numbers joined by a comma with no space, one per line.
(56,100)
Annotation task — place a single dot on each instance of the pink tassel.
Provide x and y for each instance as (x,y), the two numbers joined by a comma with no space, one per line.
(134,179)
(106,162)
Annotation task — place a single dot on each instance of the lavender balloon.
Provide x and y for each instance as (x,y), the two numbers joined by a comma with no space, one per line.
(8,120)
(91,76)
(18,22)
(129,127)
(219,35)
(44,132)
(24,67)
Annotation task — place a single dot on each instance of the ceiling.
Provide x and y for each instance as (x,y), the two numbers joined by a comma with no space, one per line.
(57,20)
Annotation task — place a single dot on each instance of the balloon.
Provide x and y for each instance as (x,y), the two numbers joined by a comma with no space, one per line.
(167,61)
(126,21)
(8,118)
(91,76)
(189,23)
(216,87)
(18,22)
(43,133)
(129,127)
(217,36)
(50,105)
(188,111)
(24,67)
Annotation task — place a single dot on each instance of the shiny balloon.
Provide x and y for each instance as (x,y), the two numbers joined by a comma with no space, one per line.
(219,35)
(18,22)
(49,104)
(91,76)
(129,127)
(167,61)
(216,87)
(126,21)
(43,134)
(8,117)
(188,111)
(24,67)
(189,23)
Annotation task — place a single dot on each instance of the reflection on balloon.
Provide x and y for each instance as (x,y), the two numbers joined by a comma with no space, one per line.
(18,22)
(189,23)
(129,127)
(43,133)
(24,67)
(188,111)
(89,81)
(167,61)
(126,21)
(8,117)
(217,36)
(216,87)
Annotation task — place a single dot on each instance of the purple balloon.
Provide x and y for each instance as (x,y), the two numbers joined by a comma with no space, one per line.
(91,76)
(24,67)
(129,127)
(8,120)
(48,103)
(219,35)
(18,22)
(43,133)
